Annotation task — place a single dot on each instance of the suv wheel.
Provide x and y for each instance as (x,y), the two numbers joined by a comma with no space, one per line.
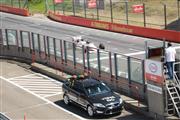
(90,111)
(66,99)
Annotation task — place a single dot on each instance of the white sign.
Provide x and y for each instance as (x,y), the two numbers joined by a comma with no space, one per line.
(154,88)
(153,71)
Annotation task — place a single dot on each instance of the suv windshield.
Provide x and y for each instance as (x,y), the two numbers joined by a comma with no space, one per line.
(97,89)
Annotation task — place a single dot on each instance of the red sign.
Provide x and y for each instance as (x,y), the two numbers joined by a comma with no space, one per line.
(58,1)
(91,3)
(138,8)
(153,71)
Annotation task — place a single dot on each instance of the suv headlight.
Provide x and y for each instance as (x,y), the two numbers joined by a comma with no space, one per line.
(120,100)
(98,105)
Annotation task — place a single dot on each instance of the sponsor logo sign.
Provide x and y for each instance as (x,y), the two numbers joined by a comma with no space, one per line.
(91,3)
(154,88)
(58,1)
(137,8)
(153,71)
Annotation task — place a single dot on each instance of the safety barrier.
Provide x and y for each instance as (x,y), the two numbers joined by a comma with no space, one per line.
(168,35)
(123,73)
(13,10)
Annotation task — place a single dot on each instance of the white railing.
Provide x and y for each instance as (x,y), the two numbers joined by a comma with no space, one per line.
(175,76)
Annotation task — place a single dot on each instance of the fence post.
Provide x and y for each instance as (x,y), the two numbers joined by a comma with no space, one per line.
(111,11)
(165,17)
(178,9)
(65,52)
(115,66)
(19,3)
(62,53)
(63,8)
(54,44)
(74,55)
(99,62)
(97,7)
(7,39)
(48,51)
(144,14)
(12,3)
(54,7)
(126,4)
(85,8)
(83,56)
(88,62)
(110,63)
(129,70)
(73,7)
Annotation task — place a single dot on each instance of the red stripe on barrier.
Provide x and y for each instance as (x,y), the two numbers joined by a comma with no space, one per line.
(18,11)
(168,35)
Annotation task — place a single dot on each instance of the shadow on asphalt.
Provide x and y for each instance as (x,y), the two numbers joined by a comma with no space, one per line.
(81,112)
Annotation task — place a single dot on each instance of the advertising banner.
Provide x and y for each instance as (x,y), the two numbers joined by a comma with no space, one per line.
(91,3)
(137,8)
(58,1)
(153,71)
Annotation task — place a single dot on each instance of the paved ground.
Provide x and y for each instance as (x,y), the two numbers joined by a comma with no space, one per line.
(38,97)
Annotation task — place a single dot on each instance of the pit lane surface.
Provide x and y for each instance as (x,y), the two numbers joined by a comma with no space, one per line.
(24,93)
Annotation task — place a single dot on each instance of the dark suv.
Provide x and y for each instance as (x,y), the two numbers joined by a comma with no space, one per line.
(92,95)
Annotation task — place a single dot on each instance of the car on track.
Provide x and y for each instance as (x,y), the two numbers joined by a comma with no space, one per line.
(79,41)
(92,95)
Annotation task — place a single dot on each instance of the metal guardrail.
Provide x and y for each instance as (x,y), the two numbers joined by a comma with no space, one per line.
(125,71)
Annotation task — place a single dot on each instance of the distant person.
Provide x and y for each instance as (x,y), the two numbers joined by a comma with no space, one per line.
(170,54)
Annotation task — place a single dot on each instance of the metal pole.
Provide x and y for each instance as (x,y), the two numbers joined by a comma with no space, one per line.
(126,3)
(97,8)
(12,3)
(111,11)
(85,8)
(28,4)
(65,52)
(144,14)
(63,8)
(73,7)
(45,6)
(165,17)
(129,69)
(54,44)
(110,63)
(178,9)
(74,55)
(54,7)
(116,66)
(19,3)
(99,62)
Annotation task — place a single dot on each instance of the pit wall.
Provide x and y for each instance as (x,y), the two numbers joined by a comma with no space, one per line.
(63,56)
(14,10)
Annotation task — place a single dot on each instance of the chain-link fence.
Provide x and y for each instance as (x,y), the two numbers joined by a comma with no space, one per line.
(145,13)
(15,3)
(153,14)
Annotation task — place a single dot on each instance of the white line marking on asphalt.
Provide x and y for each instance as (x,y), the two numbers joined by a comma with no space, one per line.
(136,53)
(53,94)
(7,80)
(21,76)
(134,49)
